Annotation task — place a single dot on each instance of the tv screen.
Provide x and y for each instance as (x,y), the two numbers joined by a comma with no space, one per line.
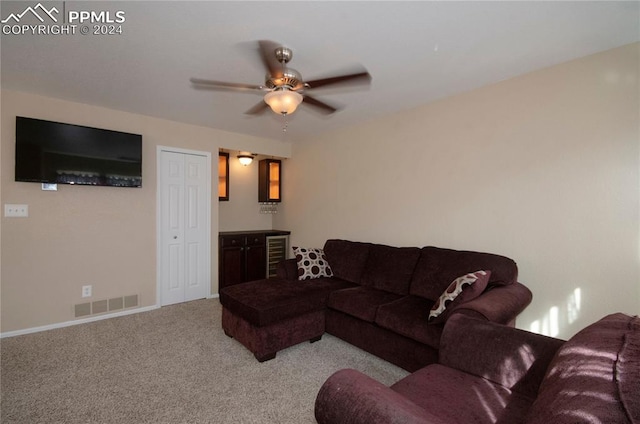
(53,152)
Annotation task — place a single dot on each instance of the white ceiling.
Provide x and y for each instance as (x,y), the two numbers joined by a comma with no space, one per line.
(416,52)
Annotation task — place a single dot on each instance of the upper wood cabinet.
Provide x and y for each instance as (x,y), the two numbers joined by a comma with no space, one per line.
(269,178)
(223,176)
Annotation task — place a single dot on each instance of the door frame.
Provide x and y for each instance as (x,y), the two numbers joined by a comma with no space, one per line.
(159,150)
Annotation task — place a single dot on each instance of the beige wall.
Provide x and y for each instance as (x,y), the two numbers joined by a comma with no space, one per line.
(543,168)
(101,236)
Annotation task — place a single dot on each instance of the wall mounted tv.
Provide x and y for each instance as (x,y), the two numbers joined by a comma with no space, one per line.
(53,152)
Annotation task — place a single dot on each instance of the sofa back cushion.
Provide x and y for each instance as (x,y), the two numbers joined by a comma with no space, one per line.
(438,267)
(390,268)
(347,258)
(592,378)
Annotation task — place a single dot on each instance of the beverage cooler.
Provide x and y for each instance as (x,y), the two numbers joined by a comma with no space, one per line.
(276,251)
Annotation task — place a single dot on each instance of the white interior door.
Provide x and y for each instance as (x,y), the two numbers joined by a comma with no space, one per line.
(184,226)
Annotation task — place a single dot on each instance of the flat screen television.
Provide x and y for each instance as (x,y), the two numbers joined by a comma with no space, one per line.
(58,153)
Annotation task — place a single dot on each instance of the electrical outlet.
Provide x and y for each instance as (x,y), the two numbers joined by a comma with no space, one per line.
(16,211)
(86,291)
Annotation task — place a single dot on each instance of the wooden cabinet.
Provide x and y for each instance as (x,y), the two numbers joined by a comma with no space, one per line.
(269,176)
(223,176)
(255,255)
(243,256)
(231,265)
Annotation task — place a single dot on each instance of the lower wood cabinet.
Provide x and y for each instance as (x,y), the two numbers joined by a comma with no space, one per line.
(243,256)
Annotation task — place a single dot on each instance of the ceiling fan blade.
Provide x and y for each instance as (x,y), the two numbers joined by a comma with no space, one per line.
(320,106)
(268,55)
(361,77)
(258,109)
(221,85)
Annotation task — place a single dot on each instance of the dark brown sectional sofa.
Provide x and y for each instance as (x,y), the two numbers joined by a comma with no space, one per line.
(378,299)
(488,373)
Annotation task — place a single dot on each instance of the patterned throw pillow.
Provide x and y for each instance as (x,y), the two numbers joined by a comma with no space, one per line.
(461,290)
(311,263)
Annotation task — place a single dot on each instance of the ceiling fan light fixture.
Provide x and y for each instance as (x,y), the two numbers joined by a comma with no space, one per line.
(283,101)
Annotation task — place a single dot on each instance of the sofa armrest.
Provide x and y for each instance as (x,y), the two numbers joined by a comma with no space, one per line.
(500,304)
(508,356)
(350,397)
(287,270)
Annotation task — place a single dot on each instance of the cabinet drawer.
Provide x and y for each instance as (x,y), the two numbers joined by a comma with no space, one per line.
(232,241)
(256,240)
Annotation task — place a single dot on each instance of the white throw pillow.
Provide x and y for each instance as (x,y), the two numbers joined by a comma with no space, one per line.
(312,263)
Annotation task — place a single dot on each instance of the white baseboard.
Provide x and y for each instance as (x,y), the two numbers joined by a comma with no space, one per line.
(76,322)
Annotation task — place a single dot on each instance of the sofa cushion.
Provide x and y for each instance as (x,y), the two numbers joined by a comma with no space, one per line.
(628,371)
(263,302)
(311,263)
(461,290)
(287,270)
(584,382)
(347,258)
(408,317)
(457,397)
(438,267)
(390,268)
(360,302)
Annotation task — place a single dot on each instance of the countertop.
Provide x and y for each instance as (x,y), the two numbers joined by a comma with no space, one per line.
(265,232)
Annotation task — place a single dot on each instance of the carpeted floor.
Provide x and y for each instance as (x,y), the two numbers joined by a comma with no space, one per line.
(171,365)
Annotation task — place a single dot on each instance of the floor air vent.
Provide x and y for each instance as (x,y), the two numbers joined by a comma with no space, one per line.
(106,305)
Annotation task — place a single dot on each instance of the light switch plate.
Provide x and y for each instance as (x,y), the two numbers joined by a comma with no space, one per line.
(16,211)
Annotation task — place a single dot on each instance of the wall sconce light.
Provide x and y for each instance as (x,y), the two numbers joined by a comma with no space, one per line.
(245,160)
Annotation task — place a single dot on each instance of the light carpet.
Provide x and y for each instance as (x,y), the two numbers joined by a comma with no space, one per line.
(171,365)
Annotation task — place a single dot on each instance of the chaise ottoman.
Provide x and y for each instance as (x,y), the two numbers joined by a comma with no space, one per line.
(272,314)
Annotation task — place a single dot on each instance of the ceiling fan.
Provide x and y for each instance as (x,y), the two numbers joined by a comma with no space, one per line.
(285,89)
